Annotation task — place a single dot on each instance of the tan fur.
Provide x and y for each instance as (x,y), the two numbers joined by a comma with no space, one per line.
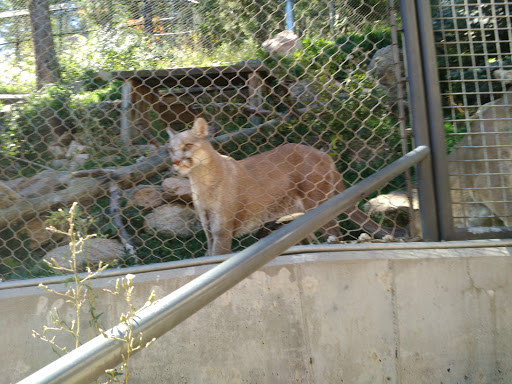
(233,197)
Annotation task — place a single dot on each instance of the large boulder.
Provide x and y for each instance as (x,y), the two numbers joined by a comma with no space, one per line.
(146,196)
(395,207)
(283,44)
(177,188)
(95,250)
(172,190)
(382,68)
(38,234)
(392,202)
(45,182)
(172,220)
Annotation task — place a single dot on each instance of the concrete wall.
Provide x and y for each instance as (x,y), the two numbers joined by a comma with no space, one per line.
(408,316)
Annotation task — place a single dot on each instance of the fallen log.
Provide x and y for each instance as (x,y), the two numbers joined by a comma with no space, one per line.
(83,190)
(27,209)
(9,192)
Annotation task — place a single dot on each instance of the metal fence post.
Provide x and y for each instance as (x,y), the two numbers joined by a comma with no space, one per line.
(420,120)
(435,121)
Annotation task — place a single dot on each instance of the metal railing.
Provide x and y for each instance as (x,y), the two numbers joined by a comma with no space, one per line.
(90,360)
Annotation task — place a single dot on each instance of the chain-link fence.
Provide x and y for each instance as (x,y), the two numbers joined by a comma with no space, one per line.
(93,89)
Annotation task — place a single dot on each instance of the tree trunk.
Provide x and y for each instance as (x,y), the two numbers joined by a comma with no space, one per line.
(47,65)
(148,17)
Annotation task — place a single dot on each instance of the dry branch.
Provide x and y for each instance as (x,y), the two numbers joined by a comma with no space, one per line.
(8,191)
(240,106)
(148,136)
(115,211)
(250,131)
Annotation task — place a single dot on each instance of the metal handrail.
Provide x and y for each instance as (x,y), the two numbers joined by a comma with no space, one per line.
(90,360)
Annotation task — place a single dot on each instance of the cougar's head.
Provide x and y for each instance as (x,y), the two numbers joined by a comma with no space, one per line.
(187,148)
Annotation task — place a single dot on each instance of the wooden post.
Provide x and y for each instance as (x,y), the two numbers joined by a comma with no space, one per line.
(143,98)
(255,83)
(126,109)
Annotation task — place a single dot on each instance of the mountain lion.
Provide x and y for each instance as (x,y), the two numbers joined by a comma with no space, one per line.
(233,197)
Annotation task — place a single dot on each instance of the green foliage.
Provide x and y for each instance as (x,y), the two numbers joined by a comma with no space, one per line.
(28,128)
(34,125)
(367,40)
(321,59)
(14,254)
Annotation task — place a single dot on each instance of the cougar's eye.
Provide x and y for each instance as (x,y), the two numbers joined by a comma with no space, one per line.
(188,146)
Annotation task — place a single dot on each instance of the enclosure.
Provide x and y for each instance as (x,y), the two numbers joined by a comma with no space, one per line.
(91,90)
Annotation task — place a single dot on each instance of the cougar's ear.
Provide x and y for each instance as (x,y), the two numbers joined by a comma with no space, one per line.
(200,128)
(171,132)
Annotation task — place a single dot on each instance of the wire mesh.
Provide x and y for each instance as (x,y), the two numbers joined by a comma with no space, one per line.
(474,44)
(91,89)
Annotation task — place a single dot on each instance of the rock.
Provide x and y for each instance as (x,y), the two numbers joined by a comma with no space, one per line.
(76,149)
(5,201)
(177,188)
(391,203)
(35,230)
(8,191)
(172,220)
(364,237)
(94,251)
(146,196)
(63,139)
(283,44)
(382,67)
(47,181)
(302,92)
(59,164)
(394,206)
(57,151)
(81,158)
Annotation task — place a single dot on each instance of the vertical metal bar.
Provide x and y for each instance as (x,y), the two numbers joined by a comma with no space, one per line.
(289,16)
(417,103)
(402,115)
(90,360)
(435,121)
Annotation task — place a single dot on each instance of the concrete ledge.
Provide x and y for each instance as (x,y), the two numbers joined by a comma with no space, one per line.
(379,316)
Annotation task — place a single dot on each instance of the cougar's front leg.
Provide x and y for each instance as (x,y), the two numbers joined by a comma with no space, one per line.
(204,217)
(222,234)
